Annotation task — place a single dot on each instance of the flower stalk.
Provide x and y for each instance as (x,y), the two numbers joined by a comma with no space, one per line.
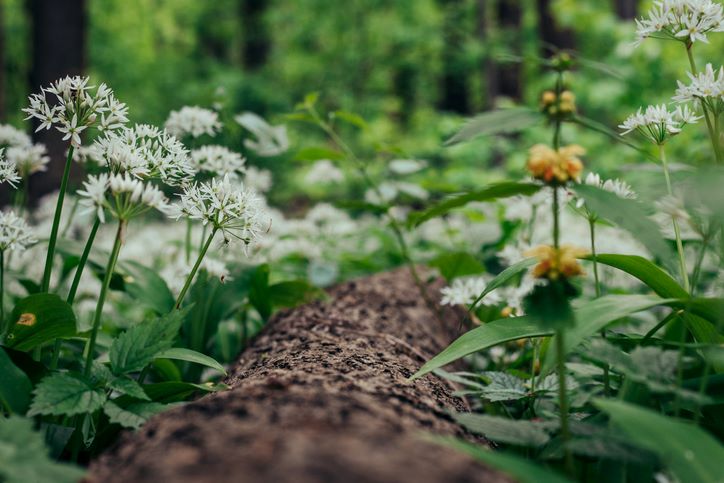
(195,268)
(677,231)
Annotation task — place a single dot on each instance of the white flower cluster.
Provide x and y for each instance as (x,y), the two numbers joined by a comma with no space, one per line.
(218,161)
(658,123)
(226,206)
(8,171)
(144,151)
(270,140)
(685,20)
(123,195)
(15,234)
(323,172)
(12,136)
(616,186)
(28,158)
(465,290)
(259,180)
(194,121)
(706,88)
(76,107)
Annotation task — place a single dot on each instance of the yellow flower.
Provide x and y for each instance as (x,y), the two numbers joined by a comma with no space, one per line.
(554,264)
(555,167)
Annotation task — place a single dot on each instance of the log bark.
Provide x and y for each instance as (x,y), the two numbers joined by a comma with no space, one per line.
(320,396)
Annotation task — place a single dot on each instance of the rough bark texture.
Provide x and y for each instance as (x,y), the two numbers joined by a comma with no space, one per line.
(320,396)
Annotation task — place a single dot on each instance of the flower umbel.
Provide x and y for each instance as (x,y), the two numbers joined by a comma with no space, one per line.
(15,234)
(123,195)
(685,20)
(194,121)
(657,123)
(8,171)
(706,88)
(555,167)
(218,161)
(556,263)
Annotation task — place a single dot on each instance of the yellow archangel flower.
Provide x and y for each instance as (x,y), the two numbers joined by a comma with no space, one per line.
(554,264)
(555,167)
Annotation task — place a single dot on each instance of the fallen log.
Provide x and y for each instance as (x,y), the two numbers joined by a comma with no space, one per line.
(321,395)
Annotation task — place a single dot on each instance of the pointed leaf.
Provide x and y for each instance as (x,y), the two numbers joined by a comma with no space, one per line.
(129,387)
(40,318)
(146,286)
(64,394)
(15,386)
(502,121)
(188,355)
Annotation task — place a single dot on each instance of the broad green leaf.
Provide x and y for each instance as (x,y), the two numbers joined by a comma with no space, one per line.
(129,387)
(489,193)
(651,275)
(134,415)
(504,430)
(40,318)
(487,335)
(64,394)
(350,118)
(592,316)
(175,391)
(146,286)
(24,457)
(629,215)
(315,153)
(502,121)
(15,386)
(456,264)
(519,468)
(692,454)
(292,293)
(139,345)
(504,277)
(259,291)
(188,355)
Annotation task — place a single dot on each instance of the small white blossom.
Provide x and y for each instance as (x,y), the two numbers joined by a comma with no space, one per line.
(8,171)
(218,161)
(464,291)
(15,234)
(11,136)
(706,88)
(324,172)
(657,123)
(270,140)
(406,166)
(686,20)
(259,180)
(616,186)
(194,121)
(216,269)
(123,195)
(28,159)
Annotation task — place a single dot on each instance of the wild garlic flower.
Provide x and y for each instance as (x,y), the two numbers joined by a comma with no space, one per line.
(323,172)
(270,140)
(555,167)
(218,161)
(11,136)
(76,107)
(145,151)
(8,171)
(685,20)
(15,234)
(706,88)
(194,121)
(465,290)
(657,123)
(228,207)
(28,159)
(554,264)
(123,195)
(616,186)
(259,180)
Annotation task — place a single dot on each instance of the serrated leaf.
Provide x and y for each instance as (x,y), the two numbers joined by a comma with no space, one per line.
(15,386)
(139,345)
(24,457)
(503,387)
(456,264)
(65,395)
(496,122)
(489,193)
(40,318)
(129,387)
(134,415)
(188,355)
(503,430)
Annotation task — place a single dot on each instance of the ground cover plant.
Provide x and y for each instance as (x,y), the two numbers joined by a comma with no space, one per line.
(594,306)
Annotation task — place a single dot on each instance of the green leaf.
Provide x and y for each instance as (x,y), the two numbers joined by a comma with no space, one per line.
(692,454)
(15,386)
(504,277)
(629,215)
(146,286)
(175,391)
(487,335)
(489,193)
(456,264)
(139,345)
(550,304)
(188,355)
(24,457)
(315,153)
(259,296)
(134,415)
(40,318)
(504,430)
(351,118)
(654,277)
(64,394)
(502,121)
(129,387)
(516,466)
(292,293)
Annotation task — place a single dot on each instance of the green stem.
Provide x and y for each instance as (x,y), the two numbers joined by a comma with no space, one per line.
(677,231)
(188,240)
(713,132)
(74,286)
(2,292)
(563,401)
(56,223)
(191,276)
(556,228)
(606,369)
(90,348)
(21,195)
(73,209)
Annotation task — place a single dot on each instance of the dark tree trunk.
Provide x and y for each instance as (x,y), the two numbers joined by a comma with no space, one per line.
(553,37)
(255,48)
(320,396)
(3,70)
(454,84)
(58,39)
(626,9)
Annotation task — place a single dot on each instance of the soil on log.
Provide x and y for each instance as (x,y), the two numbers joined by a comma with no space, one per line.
(321,395)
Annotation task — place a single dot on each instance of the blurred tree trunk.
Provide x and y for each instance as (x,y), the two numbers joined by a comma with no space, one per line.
(454,84)
(3,83)
(58,37)
(626,9)
(256,43)
(552,36)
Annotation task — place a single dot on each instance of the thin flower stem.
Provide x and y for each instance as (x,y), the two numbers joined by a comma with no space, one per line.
(2,292)
(74,285)
(191,276)
(110,268)
(606,369)
(188,240)
(677,231)
(563,401)
(73,209)
(56,222)
(713,132)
